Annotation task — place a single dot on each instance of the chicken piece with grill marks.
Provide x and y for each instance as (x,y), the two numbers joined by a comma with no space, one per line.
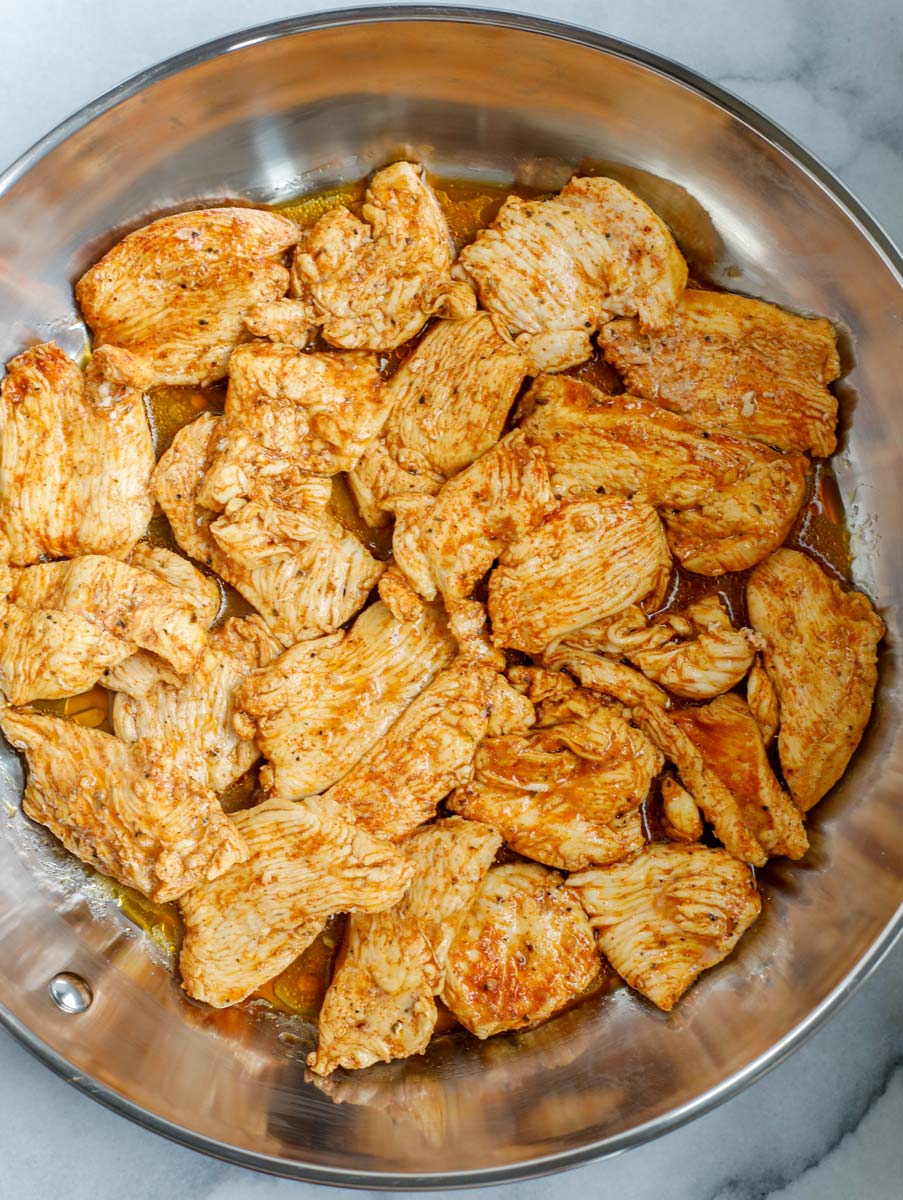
(667,915)
(282,551)
(370,283)
(63,624)
(291,412)
(450,399)
(322,705)
(380,1004)
(555,270)
(714,798)
(428,751)
(821,655)
(305,863)
(167,303)
(129,811)
(735,364)
(76,457)
(447,543)
(566,795)
(727,502)
(727,736)
(523,950)
(193,719)
(591,558)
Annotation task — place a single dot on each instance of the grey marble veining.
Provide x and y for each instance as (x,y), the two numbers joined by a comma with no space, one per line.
(827,1124)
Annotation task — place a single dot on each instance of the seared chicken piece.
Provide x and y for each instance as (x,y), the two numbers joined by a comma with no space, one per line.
(539,685)
(450,399)
(602,675)
(301,412)
(129,811)
(727,502)
(591,558)
(173,295)
(738,365)
(299,568)
(568,795)
(193,720)
(696,653)
(763,700)
(523,950)
(371,284)
(323,704)
(669,914)
(726,735)
(75,461)
(681,819)
(448,543)
(717,802)
(429,750)
(555,270)
(306,863)
(820,654)
(380,1004)
(64,623)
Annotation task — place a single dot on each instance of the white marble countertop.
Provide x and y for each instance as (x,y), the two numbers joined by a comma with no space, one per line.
(825,1125)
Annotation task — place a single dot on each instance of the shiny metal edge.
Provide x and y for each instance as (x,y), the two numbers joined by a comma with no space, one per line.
(870,228)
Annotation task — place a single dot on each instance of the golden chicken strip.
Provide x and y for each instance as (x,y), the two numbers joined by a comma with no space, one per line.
(450,399)
(300,412)
(555,270)
(323,704)
(566,795)
(379,1005)
(129,811)
(524,949)
(449,542)
(172,296)
(300,569)
(727,502)
(193,720)
(821,655)
(76,457)
(65,623)
(727,736)
(667,915)
(305,863)
(371,283)
(591,558)
(738,365)
(429,750)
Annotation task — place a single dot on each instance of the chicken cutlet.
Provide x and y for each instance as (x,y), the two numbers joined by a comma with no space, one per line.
(566,795)
(371,282)
(193,719)
(76,457)
(170,299)
(589,559)
(129,811)
(450,399)
(523,950)
(821,655)
(726,501)
(727,736)
(555,270)
(380,1004)
(735,364)
(305,863)
(323,704)
(300,569)
(429,750)
(668,914)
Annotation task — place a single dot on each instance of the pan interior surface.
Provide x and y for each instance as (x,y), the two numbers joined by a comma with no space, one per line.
(303,106)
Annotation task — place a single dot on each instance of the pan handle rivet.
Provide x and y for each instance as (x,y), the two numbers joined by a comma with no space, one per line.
(70,993)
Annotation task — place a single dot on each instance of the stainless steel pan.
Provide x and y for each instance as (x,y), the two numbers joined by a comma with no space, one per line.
(301,105)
